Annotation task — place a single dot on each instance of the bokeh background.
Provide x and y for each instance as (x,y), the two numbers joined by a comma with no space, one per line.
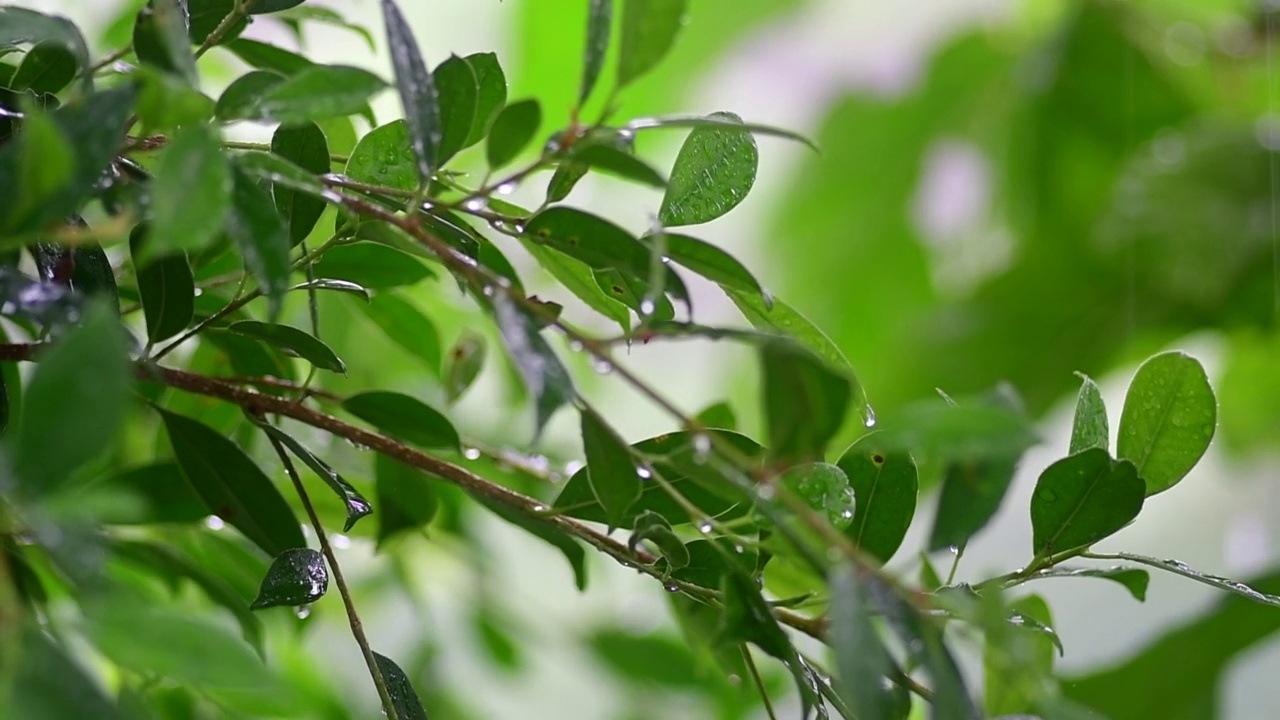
(1007,190)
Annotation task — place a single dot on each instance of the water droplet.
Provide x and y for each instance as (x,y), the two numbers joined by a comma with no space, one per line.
(869,416)
(340,541)
(647,307)
(471,453)
(506,188)
(213,522)
(666,260)
(954,549)
(540,508)
(302,611)
(488,291)
(601,366)
(538,462)
(765,492)
(575,346)
(846,514)
(644,473)
(671,587)
(474,204)
(198,292)
(704,527)
(701,447)
(739,549)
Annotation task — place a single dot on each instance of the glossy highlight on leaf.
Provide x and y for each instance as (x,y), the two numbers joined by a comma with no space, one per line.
(1170,416)
(297,576)
(357,506)
(403,697)
(417,91)
(543,373)
(713,173)
(1089,428)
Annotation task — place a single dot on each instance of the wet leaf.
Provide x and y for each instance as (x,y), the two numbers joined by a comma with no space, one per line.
(599,25)
(458,90)
(291,341)
(885,485)
(1082,499)
(710,262)
(403,698)
(233,487)
(1089,427)
(649,29)
(417,90)
(611,471)
(371,265)
(342,286)
(714,171)
(710,560)
(805,401)
(491,96)
(314,93)
(405,418)
(357,507)
(297,576)
(512,131)
(548,533)
(384,156)
(652,527)
(862,661)
(160,38)
(825,489)
(1178,567)
(1132,579)
(714,121)
(544,376)
(466,359)
(612,161)
(1170,415)
(167,290)
(577,277)
(303,145)
(48,67)
(407,497)
(258,232)
(748,618)
(407,326)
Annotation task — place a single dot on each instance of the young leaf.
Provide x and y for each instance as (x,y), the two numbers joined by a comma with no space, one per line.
(718,415)
(805,401)
(297,576)
(458,90)
(407,498)
(46,68)
(885,485)
(417,92)
(405,418)
(291,341)
(303,145)
(407,326)
(167,291)
(649,29)
(384,156)
(160,38)
(714,171)
(317,92)
(511,132)
(1089,428)
(62,430)
(1082,499)
(654,528)
(1133,580)
(710,262)
(372,266)
(233,487)
(1169,418)
(262,239)
(548,533)
(543,374)
(491,96)
(611,471)
(465,362)
(862,662)
(599,25)
(357,506)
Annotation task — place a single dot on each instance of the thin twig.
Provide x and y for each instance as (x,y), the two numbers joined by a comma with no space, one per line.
(238,13)
(759,681)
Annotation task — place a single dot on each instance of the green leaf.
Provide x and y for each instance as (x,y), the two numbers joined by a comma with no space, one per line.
(465,361)
(1216,581)
(458,90)
(612,161)
(405,418)
(570,171)
(403,698)
(885,485)
(417,90)
(297,576)
(261,238)
(160,39)
(262,7)
(233,487)
(291,341)
(325,16)
(384,156)
(599,25)
(611,471)
(1018,658)
(543,374)
(512,130)
(714,171)
(576,276)
(357,507)
(1133,580)
(46,164)
(748,618)
(710,561)
(165,496)
(714,121)
(649,29)
(303,145)
(269,57)
(647,659)
(634,293)
(1089,428)
(652,527)
(167,290)
(547,532)
(925,646)
(407,498)
(335,285)
(491,96)
(317,92)
(206,15)
(718,415)
(862,662)
(19,26)
(62,430)
(1169,418)
(238,99)
(51,686)
(825,489)
(407,326)
(711,263)
(805,401)
(1082,499)
(46,68)
(371,265)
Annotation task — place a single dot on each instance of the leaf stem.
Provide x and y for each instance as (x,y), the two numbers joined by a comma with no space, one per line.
(107,59)
(357,628)
(759,681)
(237,13)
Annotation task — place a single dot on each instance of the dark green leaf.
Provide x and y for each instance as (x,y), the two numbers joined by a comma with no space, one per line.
(403,698)
(611,471)
(543,374)
(466,359)
(492,95)
(599,25)
(269,57)
(885,486)
(1089,428)
(335,285)
(612,161)
(652,527)
(50,685)
(371,265)
(262,7)
(357,507)
(238,99)
(261,238)
(710,560)
(249,357)
(407,498)
(972,491)
(748,618)
(649,29)
(862,662)
(417,92)
(305,146)
(282,173)
(291,341)
(549,533)
(233,487)
(635,294)
(167,290)
(297,576)
(385,157)
(167,496)
(718,415)
(512,130)
(45,164)
(206,15)
(458,90)
(407,326)
(160,38)
(47,68)
(714,121)
(19,26)
(1169,417)
(714,172)
(62,430)
(1082,499)
(403,417)
(1133,580)
(925,646)
(578,279)
(710,262)
(805,401)
(318,92)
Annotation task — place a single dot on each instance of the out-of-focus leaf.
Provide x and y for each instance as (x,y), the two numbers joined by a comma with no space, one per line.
(325,16)
(314,93)
(649,29)
(718,415)
(160,38)
(291,341)
(407,498)
(465,361)
(357,507)
(371,265)
(1017,660)
(491,96)
(710,560)
(748,618)
(805,401)
(599,26)
(862,662)
(647,660)
(262,239)
(233,487)
(297,576)
(61,430)
(512,130)
(417,90)
(1169,418)
(167,291)
(1089,427)
(49,685)
(407,326)
(1082,499)
(269,57)
(48,67)
(19,26)
(237,100)
(167,496)
(458,90)
(714,171)
(544,375)
(553,536)
(885,486)
(611,471)
(304,145)
(825,489)
(404,417)
(405,700)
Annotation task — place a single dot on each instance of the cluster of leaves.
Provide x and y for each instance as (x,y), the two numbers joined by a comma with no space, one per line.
(122,194)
